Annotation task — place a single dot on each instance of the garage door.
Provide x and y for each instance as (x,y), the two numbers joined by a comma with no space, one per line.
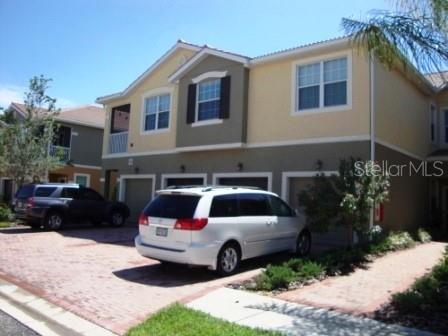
(336,237)
(138,193)
(183,181)
(259,182)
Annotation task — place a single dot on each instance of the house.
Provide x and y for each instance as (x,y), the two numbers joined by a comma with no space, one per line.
(79,139)
(201,115)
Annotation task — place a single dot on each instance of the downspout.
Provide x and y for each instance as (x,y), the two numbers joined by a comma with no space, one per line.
(372,118)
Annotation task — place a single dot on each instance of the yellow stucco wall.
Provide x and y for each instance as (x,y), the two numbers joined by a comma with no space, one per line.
(270,103)
(158,79)
(402,112)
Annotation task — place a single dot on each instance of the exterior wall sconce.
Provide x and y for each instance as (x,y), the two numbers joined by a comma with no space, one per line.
(319,164)
(136,170)
(182,168)
(239,166)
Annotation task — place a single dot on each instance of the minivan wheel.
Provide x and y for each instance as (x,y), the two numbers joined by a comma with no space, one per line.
(228,259)
(303,246)
(54,221)
(117,218)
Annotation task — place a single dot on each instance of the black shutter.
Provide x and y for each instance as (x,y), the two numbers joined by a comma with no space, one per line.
(224,111)
(191,104)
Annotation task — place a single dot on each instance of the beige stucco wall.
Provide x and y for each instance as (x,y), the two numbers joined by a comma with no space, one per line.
(158,79)
(402,112)
(270,102)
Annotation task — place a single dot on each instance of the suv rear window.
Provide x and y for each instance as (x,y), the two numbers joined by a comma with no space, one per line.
(44,191)
(25,191)
(172,206)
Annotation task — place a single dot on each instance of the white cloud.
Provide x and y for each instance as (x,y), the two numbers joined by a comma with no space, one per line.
(14,93)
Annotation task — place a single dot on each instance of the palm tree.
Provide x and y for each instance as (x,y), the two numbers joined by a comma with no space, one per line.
(415,31)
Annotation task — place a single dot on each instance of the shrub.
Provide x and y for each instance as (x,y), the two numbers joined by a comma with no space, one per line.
(310,270)
(407,301)
(275,277)
(295,264)
(398,241)
(423,236)
(5,213)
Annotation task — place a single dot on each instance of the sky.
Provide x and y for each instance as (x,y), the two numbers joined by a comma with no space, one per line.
(90,48)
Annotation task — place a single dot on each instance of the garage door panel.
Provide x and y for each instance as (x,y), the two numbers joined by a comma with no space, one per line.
(138,193)
(259,182)
(184,181)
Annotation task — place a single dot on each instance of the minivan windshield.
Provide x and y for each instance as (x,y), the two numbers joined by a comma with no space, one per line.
(25,191)
(173,206)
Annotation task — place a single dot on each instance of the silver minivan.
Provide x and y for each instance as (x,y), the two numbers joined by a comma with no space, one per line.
(218,227)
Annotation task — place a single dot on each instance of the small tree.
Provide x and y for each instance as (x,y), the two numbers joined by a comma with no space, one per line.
(346,199)
(25,144)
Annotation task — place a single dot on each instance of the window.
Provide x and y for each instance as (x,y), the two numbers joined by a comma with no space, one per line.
(280,208)
(89,195)
(224,206)
(254,205)
(82,180)
(433,122)
(445,112)
(208,100)
(72,193)
(157,112)
(44,191)
(25,191)
(172,206)
(321,84)
(63,137)
(120,119)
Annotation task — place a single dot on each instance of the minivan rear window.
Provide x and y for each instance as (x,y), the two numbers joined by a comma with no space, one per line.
(172,206)
(44,191)
(25,191)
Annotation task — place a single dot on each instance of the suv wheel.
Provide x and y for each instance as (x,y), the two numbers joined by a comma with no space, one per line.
(117,218)
(303,246)
(54,221)
(228,259)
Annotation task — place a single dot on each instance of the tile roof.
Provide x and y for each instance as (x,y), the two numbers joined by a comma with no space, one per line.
(89,115)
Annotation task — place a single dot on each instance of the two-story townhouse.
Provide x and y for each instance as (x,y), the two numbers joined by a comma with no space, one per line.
(200,115)
(79,139)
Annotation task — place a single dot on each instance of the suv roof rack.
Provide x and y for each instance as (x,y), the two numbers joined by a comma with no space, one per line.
(210,187)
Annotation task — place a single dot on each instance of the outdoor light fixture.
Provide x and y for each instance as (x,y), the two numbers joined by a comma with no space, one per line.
(182,168)
(319,164)
(136,170)
(239,166)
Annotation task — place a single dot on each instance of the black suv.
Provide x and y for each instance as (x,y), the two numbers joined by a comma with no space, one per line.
(52,205)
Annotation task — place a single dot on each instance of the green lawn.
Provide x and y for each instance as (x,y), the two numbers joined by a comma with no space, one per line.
(5,224)
(177,320)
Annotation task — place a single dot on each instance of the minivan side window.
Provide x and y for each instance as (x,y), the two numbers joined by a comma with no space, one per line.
(224,206)
(280,208)
(254,205)
(44,191)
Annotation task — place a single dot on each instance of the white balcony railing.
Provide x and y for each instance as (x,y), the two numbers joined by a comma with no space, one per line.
(62,152)
(118,142)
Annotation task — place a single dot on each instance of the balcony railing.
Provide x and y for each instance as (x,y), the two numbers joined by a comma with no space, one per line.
(62,152)
(118,142)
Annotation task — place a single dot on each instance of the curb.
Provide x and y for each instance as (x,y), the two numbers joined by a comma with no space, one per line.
(42,316)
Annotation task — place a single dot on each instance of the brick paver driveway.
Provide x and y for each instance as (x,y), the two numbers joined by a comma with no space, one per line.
(97,274)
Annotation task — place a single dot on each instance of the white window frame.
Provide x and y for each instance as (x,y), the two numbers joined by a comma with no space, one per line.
(196,115)
(87,176)
(433,123)
(321,109)
(155,93)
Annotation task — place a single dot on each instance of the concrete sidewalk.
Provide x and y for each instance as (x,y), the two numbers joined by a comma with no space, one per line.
(263,312)
(42,316)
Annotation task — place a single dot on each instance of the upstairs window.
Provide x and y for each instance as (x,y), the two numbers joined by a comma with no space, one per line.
(157,112)
(433,116)
(321,84)
(63,137)
(208,100)
(120,119)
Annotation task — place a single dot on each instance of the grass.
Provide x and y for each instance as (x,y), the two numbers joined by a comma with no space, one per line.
(177,320)
(5,224)
(335,262)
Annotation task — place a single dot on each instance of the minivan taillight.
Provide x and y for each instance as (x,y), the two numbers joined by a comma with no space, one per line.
(30,202)
(193,224)
(143,219)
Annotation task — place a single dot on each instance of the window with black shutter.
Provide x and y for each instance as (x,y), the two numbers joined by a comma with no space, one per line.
(224,111)
(191,104)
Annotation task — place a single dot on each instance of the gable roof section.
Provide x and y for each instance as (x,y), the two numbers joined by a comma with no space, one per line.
(438,79)
(84,115)
(202,54)
(179,45)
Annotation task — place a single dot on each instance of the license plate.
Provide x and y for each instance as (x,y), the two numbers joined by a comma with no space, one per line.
(160,231)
